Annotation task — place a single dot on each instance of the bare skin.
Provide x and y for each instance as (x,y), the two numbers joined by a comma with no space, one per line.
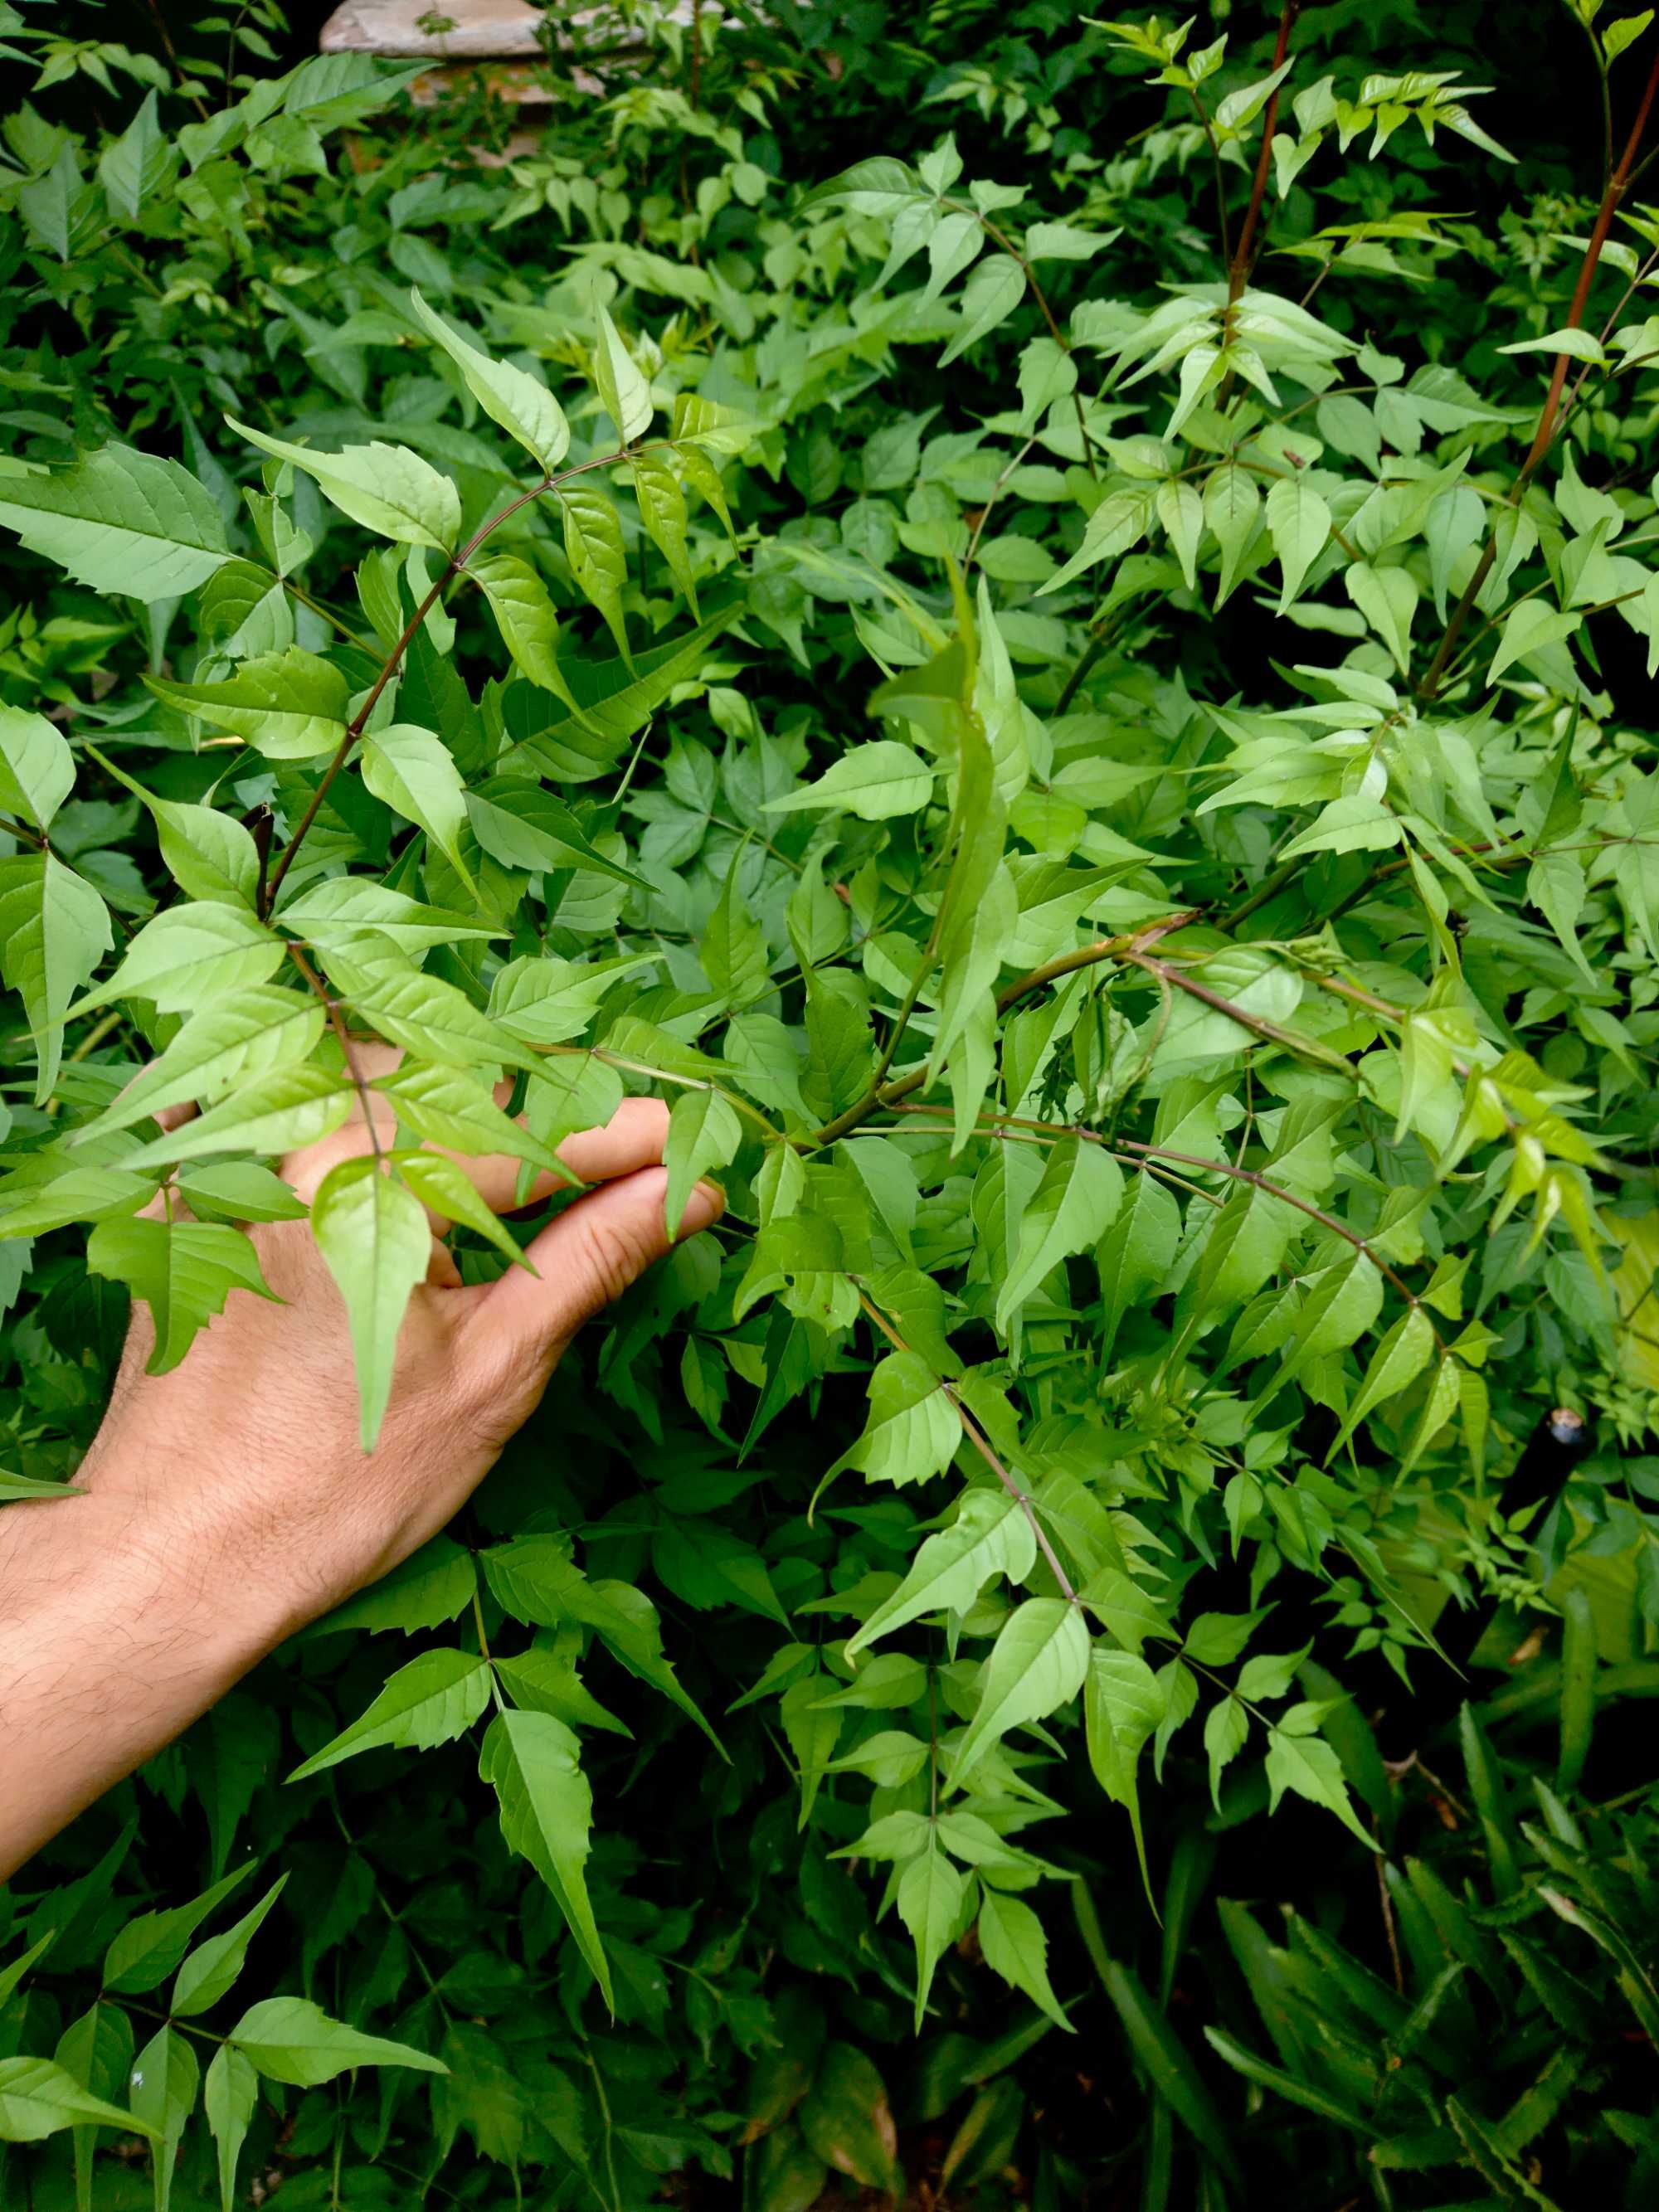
(229,1503)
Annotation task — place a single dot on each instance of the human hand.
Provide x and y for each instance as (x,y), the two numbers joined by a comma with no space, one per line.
(249,1449)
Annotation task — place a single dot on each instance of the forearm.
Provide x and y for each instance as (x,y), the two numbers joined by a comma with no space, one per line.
(118,1626)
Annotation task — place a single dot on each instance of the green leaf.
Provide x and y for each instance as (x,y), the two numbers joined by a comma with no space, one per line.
(875,782)
(523,406)
(1531,628)
(1226,1730)
(230,2096)
(1400,1358)
(1070,1210)
(23,1485)
(37,770)
(1309,1767)
(432,1700)
(1299,524)
(291,2039)
(372,1231)
(704,1132)
(522,824)
(54,930)
(278,1113)
(188,956)
(524,615)
(533,1763)
(1012,1940)
(445,1188)
(1037,1664)
(845,2118)
(37,2098)
(252,1033)
(623,392)
(662,510)
(120,522)
(212,1967)
(414,773)
(184,1271)
(930,1898)
(291,705)
(166,2076)
(147,1948)
(1169,2069)
(388,489)
(1388,599)
(990,1535)
(1123,1707)
(994,289)
(912,1428)
(598,559)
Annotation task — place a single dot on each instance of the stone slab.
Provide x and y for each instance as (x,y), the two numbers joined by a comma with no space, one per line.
(479,30)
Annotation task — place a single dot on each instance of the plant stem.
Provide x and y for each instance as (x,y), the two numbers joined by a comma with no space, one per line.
(1618,185)
(980,1443)
(1239,265)
(457,567)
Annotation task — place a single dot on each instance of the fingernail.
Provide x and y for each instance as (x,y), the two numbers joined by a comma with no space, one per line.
(706,1204)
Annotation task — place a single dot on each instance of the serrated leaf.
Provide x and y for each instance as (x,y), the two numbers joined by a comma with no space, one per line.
(524,407)
(704,1132)
(230,2096)
(990,1535)
(184,1271)
(432,1700)
(875,782)
(912,1428)
(37,770)
(150,1947)
(598,559)
(120,522)
(387,489)
(373,1233)
(1037,1664)
(211,1968)
(623,392)
(54,930)
(1069,1210)
(533,1763)
(1012,1940)
(662,510)
(414,773)
(930,1895)
(291,2039)
(291,705)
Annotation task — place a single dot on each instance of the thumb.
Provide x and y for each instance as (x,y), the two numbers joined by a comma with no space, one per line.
(595,1250)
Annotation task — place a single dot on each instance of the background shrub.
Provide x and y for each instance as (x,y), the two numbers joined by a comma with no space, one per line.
(1095,739)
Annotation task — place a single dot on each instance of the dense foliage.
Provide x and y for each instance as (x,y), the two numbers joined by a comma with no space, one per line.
(1077,696)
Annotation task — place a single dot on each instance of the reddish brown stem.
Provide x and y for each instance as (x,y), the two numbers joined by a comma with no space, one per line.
(1238,271)
(1618,185)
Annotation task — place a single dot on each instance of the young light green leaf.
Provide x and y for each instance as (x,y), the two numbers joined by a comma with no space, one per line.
(166,2077)
(930,1898)
(1308,1766)
(291,2039)
(1012,1940)
(623,392)
(1403,1354)
(525,614)
(1069,1210)
(875,782)
(277,1112)
(37,770)
(54,930)
(1037,1663)
(414,773)
(373,1233)
(184,1271)
(913,1430)
(387,489)
(533,1761)
(662,510)
(188,956)
(1123,1707)
(523,406)
(211,1968)
(990,1535)
(148,1947)
(1299,524)
(291,705)
(434,1698)
(252,1033)
(230,2096)
(445,1188)
(120,522)
(37,2098)
(704,1132)
(598,559)
(1531,628)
